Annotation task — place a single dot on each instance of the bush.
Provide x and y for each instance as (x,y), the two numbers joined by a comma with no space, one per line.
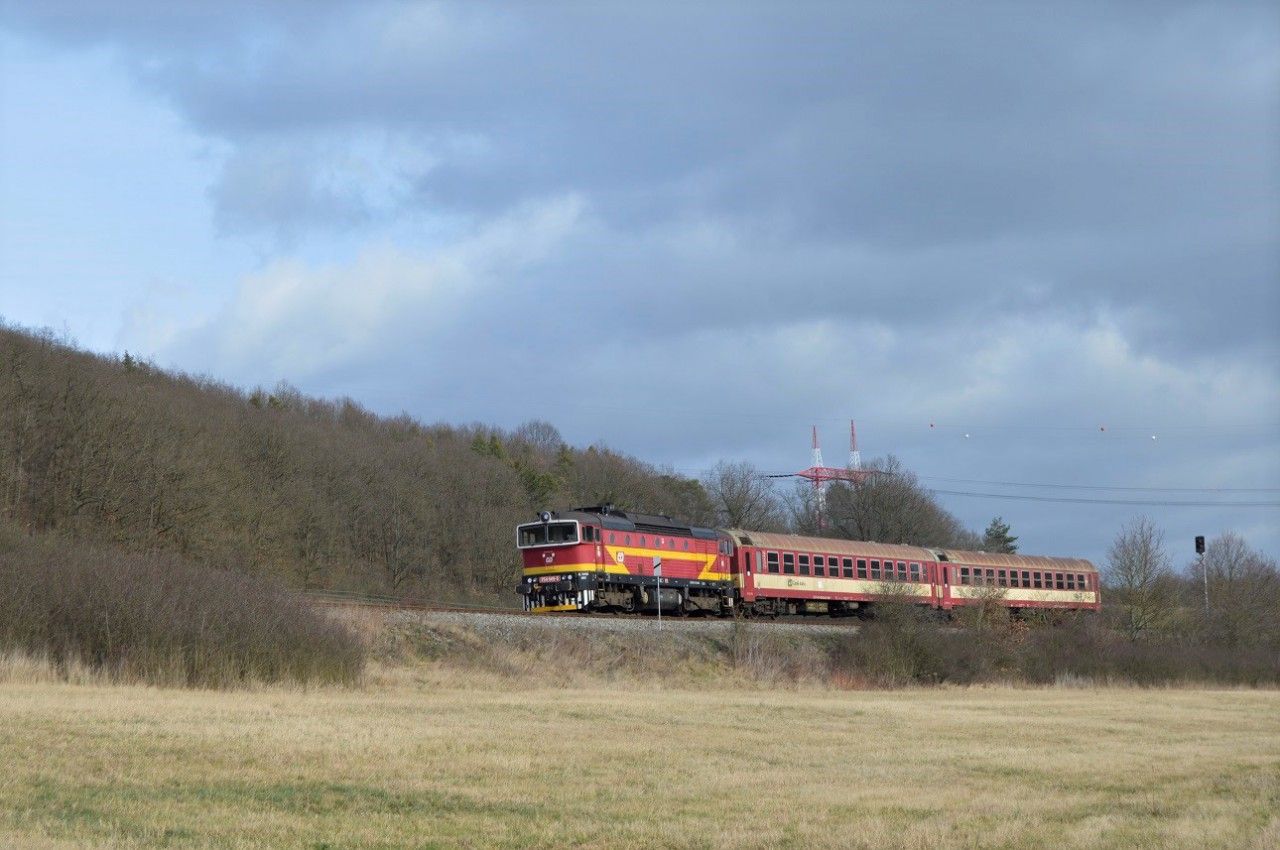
(159,620)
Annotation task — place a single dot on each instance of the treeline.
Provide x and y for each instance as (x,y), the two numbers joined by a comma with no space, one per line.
(324,494)
(1227,599)
(888,505)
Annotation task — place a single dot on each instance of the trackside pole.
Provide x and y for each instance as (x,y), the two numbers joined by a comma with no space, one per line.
(657,574)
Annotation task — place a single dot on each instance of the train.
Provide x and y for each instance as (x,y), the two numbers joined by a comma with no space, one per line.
(602,559)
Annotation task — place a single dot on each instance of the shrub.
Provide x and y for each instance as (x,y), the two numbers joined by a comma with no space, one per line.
(159,620)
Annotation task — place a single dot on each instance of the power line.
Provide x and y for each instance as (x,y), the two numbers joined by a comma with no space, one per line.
(1083,501)
(1105,486)
(1060,486)
(1080,500)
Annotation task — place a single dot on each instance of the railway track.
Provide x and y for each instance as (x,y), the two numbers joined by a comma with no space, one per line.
(347,599)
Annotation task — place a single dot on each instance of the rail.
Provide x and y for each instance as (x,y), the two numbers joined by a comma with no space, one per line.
(371,600)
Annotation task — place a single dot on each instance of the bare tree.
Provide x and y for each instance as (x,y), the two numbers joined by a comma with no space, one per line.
(890,506)
(742,497)
(1244,592)
(1140,579)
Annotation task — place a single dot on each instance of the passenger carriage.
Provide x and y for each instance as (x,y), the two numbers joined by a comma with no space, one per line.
(1021,581)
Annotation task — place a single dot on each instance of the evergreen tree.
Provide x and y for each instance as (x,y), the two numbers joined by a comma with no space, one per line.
(998,539)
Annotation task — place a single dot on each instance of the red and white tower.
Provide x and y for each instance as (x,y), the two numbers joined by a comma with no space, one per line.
(822,475)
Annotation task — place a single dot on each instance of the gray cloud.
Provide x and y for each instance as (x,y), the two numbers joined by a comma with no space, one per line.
(989,214)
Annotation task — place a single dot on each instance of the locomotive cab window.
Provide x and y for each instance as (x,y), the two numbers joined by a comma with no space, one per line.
(547,534)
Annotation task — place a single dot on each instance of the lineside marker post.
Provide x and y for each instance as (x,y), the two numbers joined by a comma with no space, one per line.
(657,574)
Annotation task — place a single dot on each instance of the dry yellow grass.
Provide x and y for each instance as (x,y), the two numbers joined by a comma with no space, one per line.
(403,764)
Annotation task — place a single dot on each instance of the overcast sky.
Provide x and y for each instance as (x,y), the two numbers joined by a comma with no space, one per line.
(691,231)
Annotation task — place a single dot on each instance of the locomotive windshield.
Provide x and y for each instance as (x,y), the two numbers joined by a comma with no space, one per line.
(547,534)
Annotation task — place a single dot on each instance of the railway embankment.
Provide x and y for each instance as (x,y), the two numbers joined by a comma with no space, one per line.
(900,647)
(574,650)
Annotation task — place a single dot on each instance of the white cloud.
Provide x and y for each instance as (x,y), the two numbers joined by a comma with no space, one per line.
(294,318)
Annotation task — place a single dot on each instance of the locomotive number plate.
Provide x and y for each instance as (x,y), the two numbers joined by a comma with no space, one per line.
(548,579)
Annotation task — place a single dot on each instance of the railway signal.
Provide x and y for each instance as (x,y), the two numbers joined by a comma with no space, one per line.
(1203,572)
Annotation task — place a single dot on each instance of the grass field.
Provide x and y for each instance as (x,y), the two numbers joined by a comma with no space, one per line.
(401,763)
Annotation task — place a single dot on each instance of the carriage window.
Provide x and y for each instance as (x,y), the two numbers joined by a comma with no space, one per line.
(1071,581)
(772,558)
(1084,582)
(915,572)
(804,565)
(862,568)
(1001,580)
(847,563)
(964,575)
(991,577)
(1057,581)
(902,571)
(1026,579)
(789,563)
(819,565)
(1035,580)
(875,569)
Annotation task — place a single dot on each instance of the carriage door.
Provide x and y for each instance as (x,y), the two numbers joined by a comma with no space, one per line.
(746,573)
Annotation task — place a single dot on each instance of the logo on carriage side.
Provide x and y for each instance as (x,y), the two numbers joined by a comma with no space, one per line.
(619,557)
(548,557)
(794,582)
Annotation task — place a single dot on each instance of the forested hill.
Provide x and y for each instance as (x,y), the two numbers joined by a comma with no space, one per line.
(322,493)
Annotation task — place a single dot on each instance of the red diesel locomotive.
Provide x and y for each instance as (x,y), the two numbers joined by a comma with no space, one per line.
(603,559)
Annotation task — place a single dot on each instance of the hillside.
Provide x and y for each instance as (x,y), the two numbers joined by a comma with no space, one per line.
(324,494)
